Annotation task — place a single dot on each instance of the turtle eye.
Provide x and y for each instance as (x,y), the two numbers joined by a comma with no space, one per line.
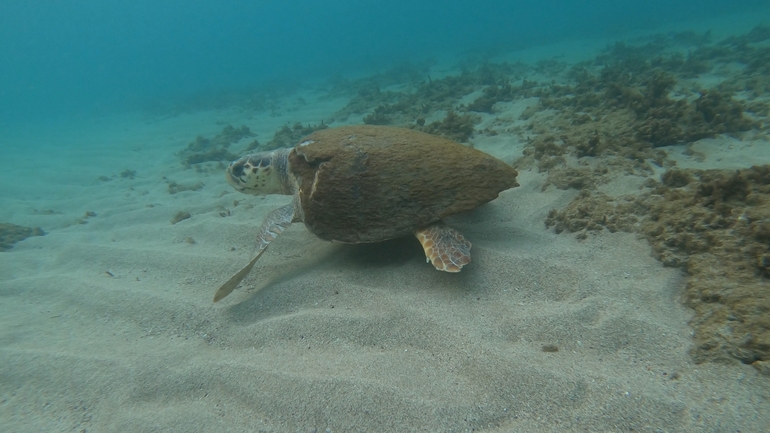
(236,169)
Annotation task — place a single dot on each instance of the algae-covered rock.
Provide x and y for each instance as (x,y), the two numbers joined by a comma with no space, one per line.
(715,224)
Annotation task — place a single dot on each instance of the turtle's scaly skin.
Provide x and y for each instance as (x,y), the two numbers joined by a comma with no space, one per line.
(360,184)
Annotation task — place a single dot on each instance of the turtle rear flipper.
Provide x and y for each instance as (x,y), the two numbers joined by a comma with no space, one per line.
(275,223)
(446,248)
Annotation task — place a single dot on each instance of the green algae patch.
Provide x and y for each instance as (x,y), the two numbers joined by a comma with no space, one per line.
(10,234)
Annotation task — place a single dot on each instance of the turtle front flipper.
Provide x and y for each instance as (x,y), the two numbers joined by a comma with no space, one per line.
(445,247)
(275,223)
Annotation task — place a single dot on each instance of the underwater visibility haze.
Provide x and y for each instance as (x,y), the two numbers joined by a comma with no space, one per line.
(98,56)
(607,163)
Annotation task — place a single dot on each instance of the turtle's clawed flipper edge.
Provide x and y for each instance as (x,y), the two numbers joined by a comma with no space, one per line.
(445,247)
(275,223)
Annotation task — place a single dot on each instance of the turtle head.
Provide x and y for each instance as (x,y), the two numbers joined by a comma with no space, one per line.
(260,173)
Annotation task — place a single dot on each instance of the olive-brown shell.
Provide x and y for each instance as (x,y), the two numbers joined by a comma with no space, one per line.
(361,184)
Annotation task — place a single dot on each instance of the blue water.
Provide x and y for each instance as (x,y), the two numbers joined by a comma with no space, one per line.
(102,56)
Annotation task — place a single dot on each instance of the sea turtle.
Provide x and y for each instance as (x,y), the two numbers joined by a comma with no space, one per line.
(362,184)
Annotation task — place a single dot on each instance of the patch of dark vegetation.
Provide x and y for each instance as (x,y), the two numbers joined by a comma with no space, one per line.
(180,216)
(174,187)
(46,212)
(269,96)
(125,174)
(550,67)
(214,149)
(289,136)
(10,234)
(596,211)
(628,103)
(457,127)
(550,348)
(84,219)
(430,96)
(405,73)
(369,98)
(568,151)
(504,92)
(401,109)
(715,224)
(662,121)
